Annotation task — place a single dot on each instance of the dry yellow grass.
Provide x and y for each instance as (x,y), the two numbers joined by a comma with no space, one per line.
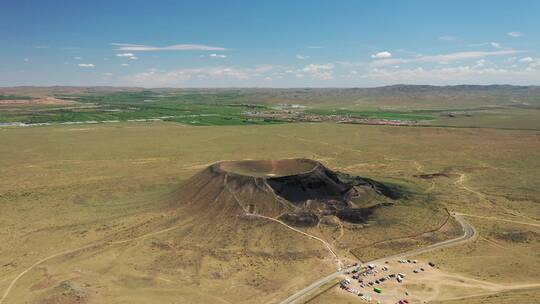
(64,187)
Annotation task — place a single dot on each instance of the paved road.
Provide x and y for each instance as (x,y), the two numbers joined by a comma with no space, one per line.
(468,232)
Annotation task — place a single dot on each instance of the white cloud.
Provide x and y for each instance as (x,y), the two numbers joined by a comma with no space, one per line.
(181,76)
(514,34)
(125,55)
(124,64)
(381,55)
(316,67)
(444,58)
(480,63)
(496,45)
(526,59)
(302,57)
(86,65)
(218,55)
(41,46)
(322,71)
(107,74)
(447,38)
(26,59)
(452,75)
(77,58)
(133,58)
(176,47)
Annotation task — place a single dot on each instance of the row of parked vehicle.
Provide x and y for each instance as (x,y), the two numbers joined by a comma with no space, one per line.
(365,279)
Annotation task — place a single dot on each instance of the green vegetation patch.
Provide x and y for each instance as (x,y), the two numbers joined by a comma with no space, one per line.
(222,121)
(372,114)
(15,97)
(193,109)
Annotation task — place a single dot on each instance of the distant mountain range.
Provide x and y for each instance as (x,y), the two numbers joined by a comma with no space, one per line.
(394,95)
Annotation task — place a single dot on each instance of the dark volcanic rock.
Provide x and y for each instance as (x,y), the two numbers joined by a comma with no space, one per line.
(298,191)
(300,219)
(391,191)
(320,183)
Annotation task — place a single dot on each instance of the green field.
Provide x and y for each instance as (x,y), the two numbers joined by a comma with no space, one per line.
(372,114)
(460,106)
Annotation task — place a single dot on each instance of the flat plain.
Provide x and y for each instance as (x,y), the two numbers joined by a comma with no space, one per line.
(86,211)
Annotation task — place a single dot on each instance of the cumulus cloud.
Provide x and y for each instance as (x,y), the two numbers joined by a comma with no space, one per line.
(133,58)
(317,67)
(124,64)
(526,59)
(514,34)
(175,47)
(480,63)
(77,58)
(180,76)
(381,55)
(218,55)
(302,57)
(477,74)
(321,71)
(86,65)
(125,55)
(496,45)
(444,58)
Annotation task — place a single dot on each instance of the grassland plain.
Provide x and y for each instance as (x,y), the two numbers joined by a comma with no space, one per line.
(503,107)
(68,186)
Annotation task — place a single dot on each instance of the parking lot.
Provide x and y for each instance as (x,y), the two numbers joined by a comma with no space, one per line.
(394,281)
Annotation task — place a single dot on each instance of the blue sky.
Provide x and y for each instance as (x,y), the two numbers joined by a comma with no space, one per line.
(268,43)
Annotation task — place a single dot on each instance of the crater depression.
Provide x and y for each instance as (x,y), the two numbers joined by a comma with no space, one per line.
(299,192)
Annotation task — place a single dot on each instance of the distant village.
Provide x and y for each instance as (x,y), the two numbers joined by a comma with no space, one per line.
(288,112)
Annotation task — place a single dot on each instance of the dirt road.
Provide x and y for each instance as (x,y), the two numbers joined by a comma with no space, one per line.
(338,261)
(468,232)
(108,243)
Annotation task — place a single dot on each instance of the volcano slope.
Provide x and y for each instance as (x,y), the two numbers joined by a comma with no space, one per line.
(299,192)
(236,232)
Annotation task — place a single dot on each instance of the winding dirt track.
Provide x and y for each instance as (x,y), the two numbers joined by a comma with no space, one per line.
(468,233)
(14,281)
(108,243)
(338,261)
